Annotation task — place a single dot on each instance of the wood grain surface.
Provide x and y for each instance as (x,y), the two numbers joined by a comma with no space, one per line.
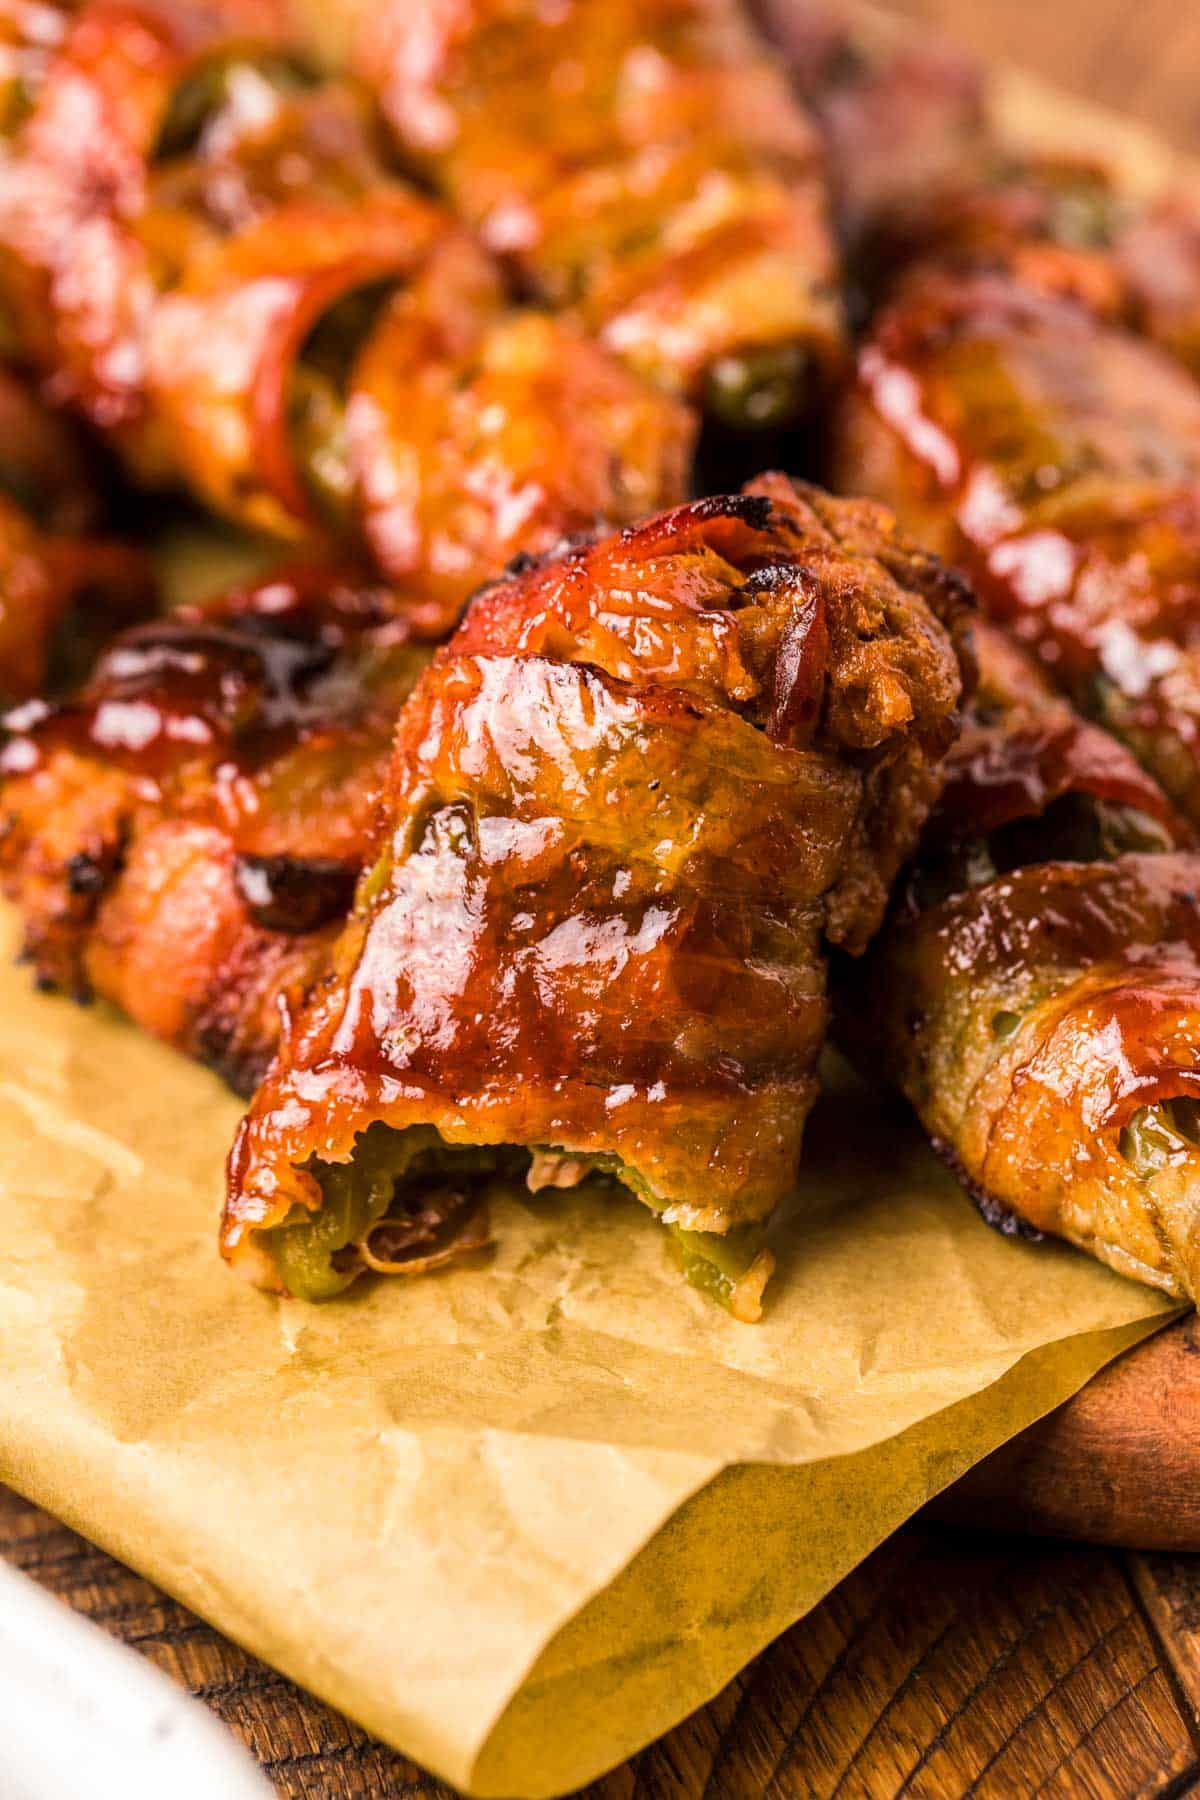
(953,1663)
(1119,1465)
(948,1665)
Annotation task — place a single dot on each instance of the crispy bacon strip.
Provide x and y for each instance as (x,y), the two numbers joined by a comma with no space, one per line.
(919,169)
(1037,992)
(184,837)
(1060,1079)
(1065,226)
(1057,460)
(1158,250)
(902,124)
(79,278)
(630,803)
(206,251)
(641,164)
(62,589)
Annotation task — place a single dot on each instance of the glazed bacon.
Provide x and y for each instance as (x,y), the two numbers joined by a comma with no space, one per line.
(80,281)
(184,837)
(1056,459)
(206,252)
(1036,993)
(1008,401)
(1059,1077)
(1158,250)
(644,168)
(902,123)
(63,590)
(919,169)
(1065,226)
(1027,778)
(630,804)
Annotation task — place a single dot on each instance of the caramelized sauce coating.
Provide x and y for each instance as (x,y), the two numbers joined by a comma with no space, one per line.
(62,593)
(629,804)
(1046,1025)
(1066,226)
(208,253)
(640,163)
(1056,459)
(1036,993)
(184,837)
(902,125)
(464,455)
(78,278)
(1022,748)
(919,171)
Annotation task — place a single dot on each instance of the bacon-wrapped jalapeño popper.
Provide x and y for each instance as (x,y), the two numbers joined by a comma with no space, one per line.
(183,837)
(1036,993)
(206,251)
(918,167)
(902,123)
(630,804)
(1065,225)
(63,590)
(644,167)
(1057,459)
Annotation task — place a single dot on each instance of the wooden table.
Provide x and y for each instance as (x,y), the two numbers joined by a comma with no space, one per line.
(950,1664)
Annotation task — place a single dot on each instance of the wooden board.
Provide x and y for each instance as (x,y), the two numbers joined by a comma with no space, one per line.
(1120,1464)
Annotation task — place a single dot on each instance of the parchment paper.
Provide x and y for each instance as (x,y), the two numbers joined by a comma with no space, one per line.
(484,1513)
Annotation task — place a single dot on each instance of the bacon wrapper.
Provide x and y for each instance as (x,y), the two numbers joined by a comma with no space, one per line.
(62,593)
(625,811)
(1036,992)
(200,238)
(647,169)
(225,342)
(1057,460)
(78,277)
(469,447)
(184,837)
(1045,1026)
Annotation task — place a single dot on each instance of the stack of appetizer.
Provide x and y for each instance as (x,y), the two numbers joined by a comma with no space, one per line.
(538,814)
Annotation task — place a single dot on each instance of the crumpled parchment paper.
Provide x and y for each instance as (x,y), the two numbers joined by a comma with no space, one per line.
(516,1518)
